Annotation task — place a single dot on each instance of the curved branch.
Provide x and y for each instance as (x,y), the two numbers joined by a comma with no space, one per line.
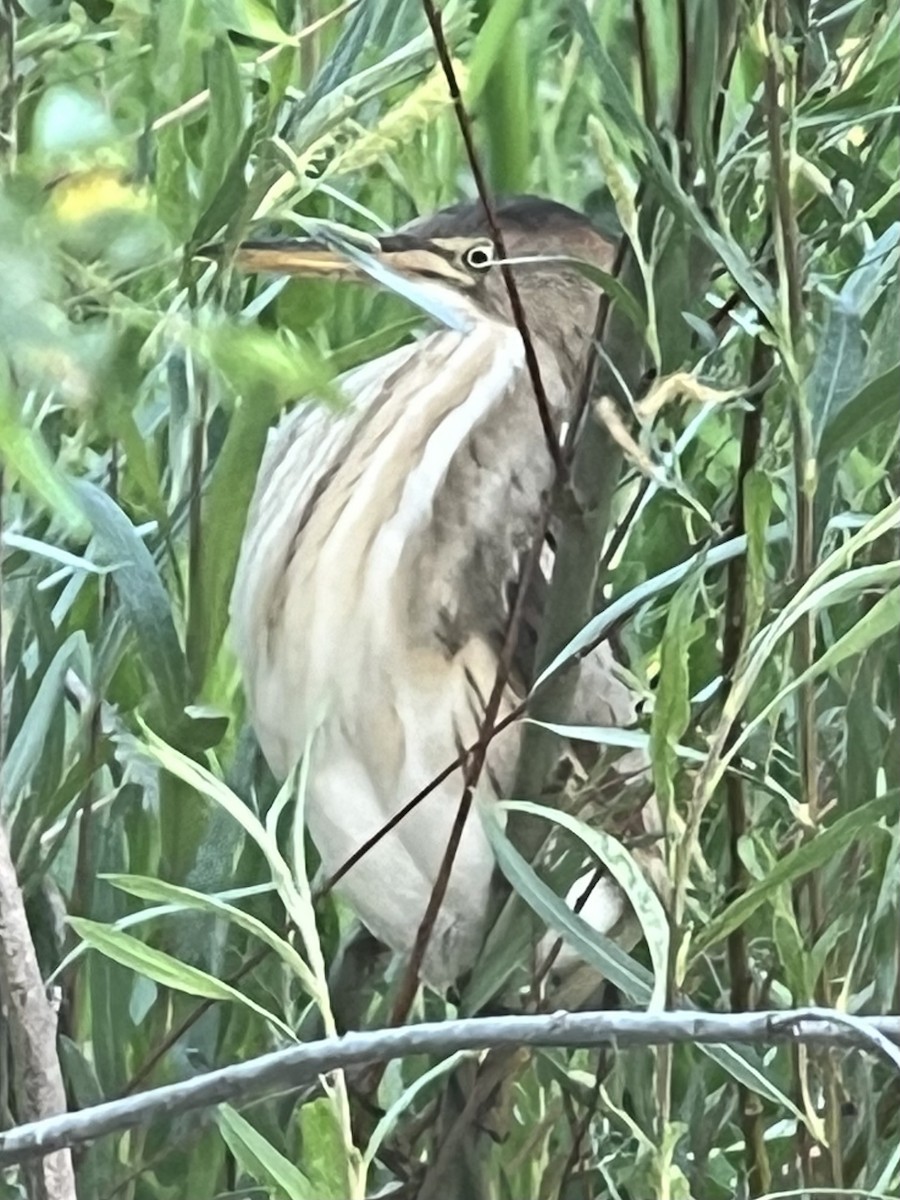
(299,1065)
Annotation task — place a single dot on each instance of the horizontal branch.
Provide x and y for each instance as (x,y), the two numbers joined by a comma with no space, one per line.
(300,1065)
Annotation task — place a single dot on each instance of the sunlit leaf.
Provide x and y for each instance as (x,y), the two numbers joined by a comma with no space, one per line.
(261,1160)
(165,970)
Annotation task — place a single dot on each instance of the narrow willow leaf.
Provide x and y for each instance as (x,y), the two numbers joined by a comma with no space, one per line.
(622,110)
(628,875)
(24,754)
(816,853)
(226,208)
(875,403)
(834,591)
(838,366)
(297,902)
(183,898)
(325,1156)
(595,948)
(224,514)
(25,456)
(879,262)
(489,47)
(672,708)
(260,1159)
(634,980)
(254,18)
(163,969)
(74,562)
(611,735)
(143,597)
(226,117)
(818,592)
(757,511)
(389,1121)
(152,914)
(881,620)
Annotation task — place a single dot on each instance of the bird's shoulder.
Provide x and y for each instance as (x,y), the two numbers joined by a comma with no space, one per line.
(315,435)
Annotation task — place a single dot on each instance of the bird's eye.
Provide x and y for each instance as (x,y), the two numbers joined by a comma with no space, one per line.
(479,257)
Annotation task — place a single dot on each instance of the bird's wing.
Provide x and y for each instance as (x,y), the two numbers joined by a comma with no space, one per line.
(601,696)
(302,454)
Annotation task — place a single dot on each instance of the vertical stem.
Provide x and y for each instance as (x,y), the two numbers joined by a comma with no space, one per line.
(82,890)
(2,644)
(734,639)
(649,91)
(9,90)
(196,625)
(781,78)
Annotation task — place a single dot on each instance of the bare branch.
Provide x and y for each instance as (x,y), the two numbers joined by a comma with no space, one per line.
(515,302)
(299,1065)
(32,1027)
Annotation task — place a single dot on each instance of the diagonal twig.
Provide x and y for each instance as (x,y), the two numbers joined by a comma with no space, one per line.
(433,17)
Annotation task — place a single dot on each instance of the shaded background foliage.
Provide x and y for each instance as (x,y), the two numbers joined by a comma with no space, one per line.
(750,154)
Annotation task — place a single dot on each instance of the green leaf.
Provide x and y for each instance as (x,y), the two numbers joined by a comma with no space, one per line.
(175,203)
(324,1152)
(163,969)
(189,899)
(878,263)
(811,856)
(620,968)
(226,205)
(23,756)
(388,1122)
(144,599)
(757,513)
(672,708)
(226,117)
(623,114)
(489,48)
(259,1159)
(595,948)
(253,18)
(25,456)
(628,875)
(838,366)
(876,402)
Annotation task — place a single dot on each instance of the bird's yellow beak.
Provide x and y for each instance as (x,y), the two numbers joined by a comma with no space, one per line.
(409,256)
(291,256)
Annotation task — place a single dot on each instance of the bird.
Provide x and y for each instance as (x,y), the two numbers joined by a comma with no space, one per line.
(382,549)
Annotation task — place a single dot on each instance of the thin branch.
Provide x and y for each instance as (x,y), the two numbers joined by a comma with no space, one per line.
(780,91)
(515,301)
(471,773)
(292,1068)
(407,808)
(175,1035)
(617,613)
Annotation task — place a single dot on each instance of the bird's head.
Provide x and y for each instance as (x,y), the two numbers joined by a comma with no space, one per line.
(452,250)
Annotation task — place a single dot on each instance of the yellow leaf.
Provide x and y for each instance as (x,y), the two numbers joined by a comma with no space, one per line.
(78,197)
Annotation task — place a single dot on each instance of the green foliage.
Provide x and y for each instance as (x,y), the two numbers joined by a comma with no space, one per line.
(137,385)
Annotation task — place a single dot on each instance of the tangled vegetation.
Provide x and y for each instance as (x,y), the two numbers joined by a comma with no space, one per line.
(747,153)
